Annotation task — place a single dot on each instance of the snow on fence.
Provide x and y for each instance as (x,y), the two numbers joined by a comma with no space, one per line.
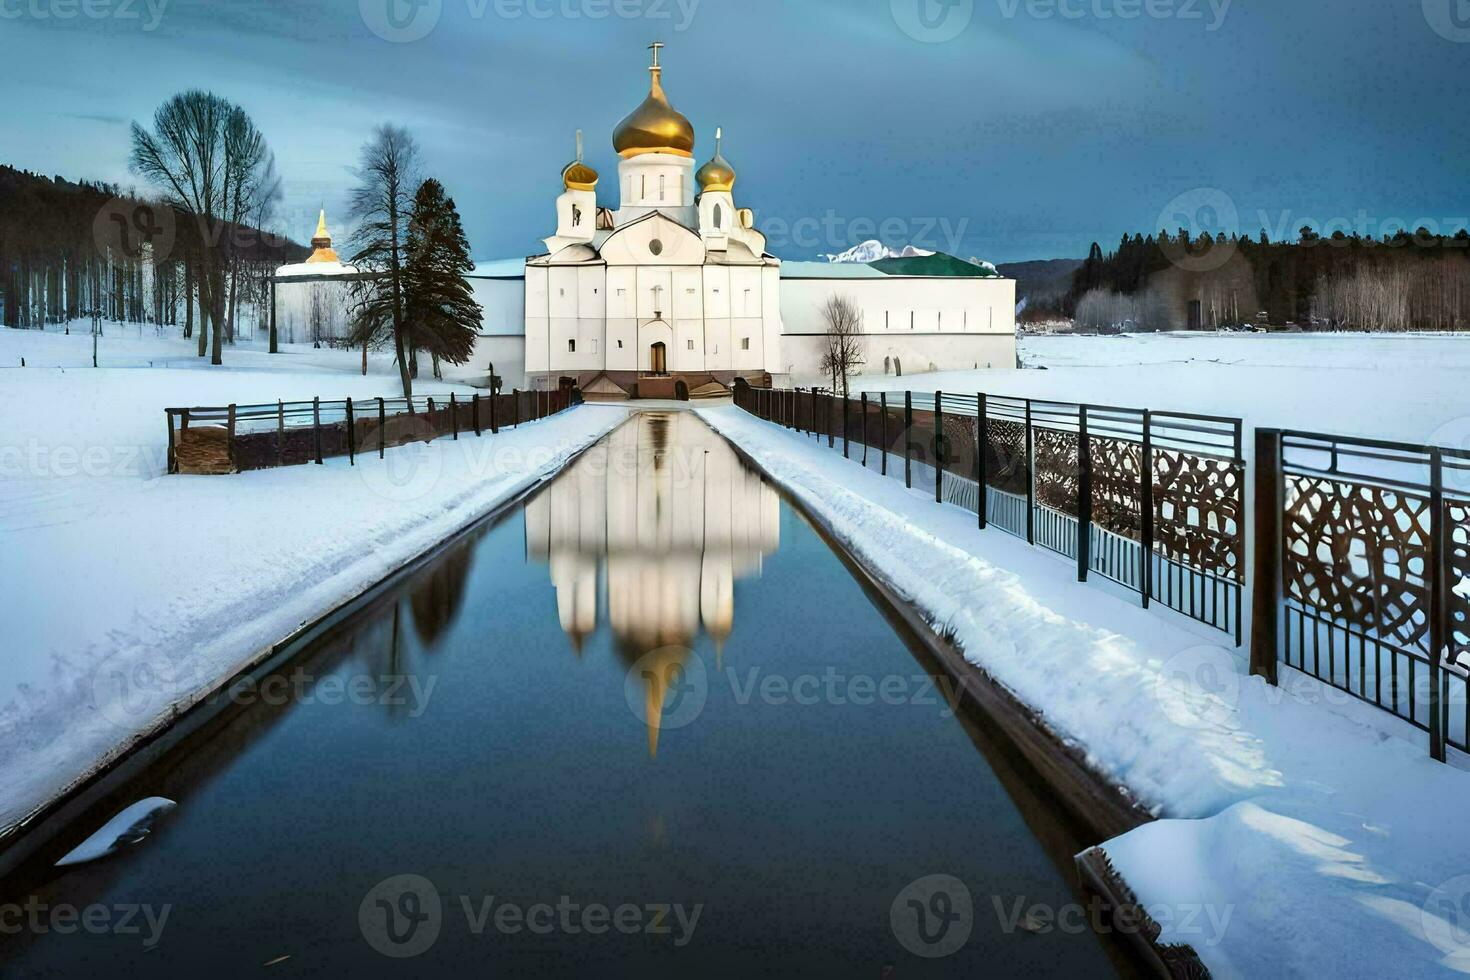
(238,438)
(1362,576)
(1161,494)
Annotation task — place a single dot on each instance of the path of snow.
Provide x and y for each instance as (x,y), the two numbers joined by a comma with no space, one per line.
(1303,833)
(1403,387)
(127,592)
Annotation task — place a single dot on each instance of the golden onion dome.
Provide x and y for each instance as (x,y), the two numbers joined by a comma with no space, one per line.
(717,175)
(577,176)
(655,126)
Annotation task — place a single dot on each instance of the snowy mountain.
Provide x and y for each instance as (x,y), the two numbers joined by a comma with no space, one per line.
(874,250)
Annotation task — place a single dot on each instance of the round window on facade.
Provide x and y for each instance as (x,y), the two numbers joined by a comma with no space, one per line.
(656,247)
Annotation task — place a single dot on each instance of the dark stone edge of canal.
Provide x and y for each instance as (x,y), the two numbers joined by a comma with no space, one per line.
(1103,808)
(33,840)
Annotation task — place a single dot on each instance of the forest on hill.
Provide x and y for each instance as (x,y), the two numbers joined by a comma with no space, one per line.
(74,249)
(1406,281)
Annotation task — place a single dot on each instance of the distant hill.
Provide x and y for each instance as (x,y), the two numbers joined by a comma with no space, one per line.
(1042,282)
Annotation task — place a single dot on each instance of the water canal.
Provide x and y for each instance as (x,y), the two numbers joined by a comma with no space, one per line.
(645,724)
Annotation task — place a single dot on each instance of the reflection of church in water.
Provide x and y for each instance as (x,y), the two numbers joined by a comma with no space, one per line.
(666,518)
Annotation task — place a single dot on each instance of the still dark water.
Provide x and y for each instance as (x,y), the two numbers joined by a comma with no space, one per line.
(648,725)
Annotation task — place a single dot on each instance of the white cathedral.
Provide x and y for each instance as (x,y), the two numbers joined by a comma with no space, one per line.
(675,284)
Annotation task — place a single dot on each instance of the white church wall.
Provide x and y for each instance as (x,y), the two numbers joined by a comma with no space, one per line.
(917,355)
(622,344)
(897,304)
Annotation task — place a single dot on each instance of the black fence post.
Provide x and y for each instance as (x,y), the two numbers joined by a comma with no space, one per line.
(173,460)
(1146,508)
(831,411)
(1030,479)
(908,439)
(230,437)
(982,457)
(382,427)
(454,415)
(1270,501)
(846,432)
(475,411)
(1438,604)
(1084,496)
(939,447)
(494,412)
(316,428)
(351,435)
(433,426)
(516,397)
(863,400)
(280,433)
(883,429)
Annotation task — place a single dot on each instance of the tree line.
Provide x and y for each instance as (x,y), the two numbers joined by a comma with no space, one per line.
(1405,281)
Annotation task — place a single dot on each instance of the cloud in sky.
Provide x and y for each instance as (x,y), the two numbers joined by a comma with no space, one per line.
(1040,126)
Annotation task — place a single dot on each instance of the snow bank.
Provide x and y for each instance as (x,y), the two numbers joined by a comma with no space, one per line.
(128,592)
(1304,833)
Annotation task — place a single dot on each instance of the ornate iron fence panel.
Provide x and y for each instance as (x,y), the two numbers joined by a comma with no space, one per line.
(1375,557)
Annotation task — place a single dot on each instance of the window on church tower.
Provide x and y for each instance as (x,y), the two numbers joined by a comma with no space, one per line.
(719,215)
(661,179)
(745,343)
(691,344)
(571,347)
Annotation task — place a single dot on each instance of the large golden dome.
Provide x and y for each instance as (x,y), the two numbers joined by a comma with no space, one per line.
(655,126)
(717,175)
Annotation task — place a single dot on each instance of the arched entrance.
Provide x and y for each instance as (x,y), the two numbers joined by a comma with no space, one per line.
(658,358)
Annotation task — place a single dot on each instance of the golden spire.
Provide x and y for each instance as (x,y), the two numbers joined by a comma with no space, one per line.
(321,242)
(655,126)
(577,176)
(717,175)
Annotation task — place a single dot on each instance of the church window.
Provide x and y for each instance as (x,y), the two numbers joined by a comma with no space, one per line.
(661,180)
(643,185)
(745,343)
(656,247)
(594,347)
(691,344)
(719,215)
(571,347)
(911,319)
(620,345)
(622,292)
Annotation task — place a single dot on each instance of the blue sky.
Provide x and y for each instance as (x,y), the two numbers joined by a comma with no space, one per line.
(1005,129)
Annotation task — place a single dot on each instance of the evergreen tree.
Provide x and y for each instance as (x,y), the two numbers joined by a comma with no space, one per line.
(439,306)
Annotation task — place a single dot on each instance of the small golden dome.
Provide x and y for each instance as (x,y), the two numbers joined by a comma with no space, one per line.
(321,243)
(717,175)
(577,176)
(655,126)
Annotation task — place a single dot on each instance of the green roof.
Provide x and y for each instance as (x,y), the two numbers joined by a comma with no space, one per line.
(937,264)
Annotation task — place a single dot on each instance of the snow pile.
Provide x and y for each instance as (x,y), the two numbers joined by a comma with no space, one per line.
(874,251)
(1300,835)
(141,591)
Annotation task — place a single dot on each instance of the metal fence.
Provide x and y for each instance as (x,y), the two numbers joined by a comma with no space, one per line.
(1161,495)
(1363,573)
(237,438)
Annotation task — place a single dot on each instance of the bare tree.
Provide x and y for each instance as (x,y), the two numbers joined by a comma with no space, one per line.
(381,203)
(842,353)
(213,164)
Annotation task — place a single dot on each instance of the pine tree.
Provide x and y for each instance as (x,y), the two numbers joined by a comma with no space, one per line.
(439,305)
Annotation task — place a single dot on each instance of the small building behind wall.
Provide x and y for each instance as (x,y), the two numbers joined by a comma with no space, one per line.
(935,313)
(312,300)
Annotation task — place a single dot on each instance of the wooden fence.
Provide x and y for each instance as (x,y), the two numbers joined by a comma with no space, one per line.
(238,438)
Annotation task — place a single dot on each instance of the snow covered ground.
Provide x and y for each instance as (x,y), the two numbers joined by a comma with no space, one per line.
(1302,833)
(1406,387)
(127,592)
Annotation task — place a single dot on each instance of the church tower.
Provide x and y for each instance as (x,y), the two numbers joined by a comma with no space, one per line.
(576,208)
(656,143)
